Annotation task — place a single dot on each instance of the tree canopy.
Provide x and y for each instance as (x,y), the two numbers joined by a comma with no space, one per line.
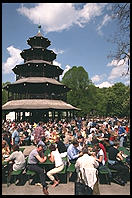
(112,101)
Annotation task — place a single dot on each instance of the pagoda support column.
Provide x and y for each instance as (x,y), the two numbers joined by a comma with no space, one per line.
(8,95)
(66,115)
(73,115)
(53,115)
(59,115)
(23,116)
(15,116)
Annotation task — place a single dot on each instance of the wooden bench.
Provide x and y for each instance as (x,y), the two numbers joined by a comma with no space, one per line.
(104,172)
(63,175)
(71,168)
(15,174)
(30,174)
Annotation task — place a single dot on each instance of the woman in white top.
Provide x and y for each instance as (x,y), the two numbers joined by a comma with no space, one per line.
(55,157)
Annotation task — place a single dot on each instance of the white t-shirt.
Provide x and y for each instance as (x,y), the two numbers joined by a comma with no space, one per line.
(101,153)
(57,157)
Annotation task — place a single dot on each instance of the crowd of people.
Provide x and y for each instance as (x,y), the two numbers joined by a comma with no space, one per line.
(87,143)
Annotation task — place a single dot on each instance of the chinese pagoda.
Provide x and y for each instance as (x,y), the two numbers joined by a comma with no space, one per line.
(37,94)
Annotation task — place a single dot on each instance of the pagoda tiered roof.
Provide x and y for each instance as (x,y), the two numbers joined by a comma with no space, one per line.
(39,84)
(37,65)
(38,53)
(29,104)
(39,41)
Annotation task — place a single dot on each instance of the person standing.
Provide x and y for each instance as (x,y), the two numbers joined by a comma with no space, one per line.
(33,160)
(38,133)
(121,133)
(86,167)
(15,136)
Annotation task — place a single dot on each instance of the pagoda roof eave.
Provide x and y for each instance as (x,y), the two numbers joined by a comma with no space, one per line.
(37,80)
(47,64)
(32,104)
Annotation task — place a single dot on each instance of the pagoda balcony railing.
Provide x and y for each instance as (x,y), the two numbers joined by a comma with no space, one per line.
(37,96)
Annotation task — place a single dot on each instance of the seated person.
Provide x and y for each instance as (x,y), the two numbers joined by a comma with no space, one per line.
(26,137)
(5,149)
(72,152)
(55,157)
(80,140)
(115,162)
(61,147)
(33,160)
(18,160)
(43,141)
(101,156)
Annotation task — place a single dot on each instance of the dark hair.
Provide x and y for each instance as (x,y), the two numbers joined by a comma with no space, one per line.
(80,137)
(116,143)
(75,142)
(52,147)
(85,150)
(15,147)
(40,145)
(43,138)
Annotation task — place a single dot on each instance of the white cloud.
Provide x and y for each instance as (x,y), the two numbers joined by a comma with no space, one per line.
(105,21)
(104,84)
(61,16)
(13,60)
(98,78)
(95,78)
(57,51)
(56,63)
(119,68)
(65,70)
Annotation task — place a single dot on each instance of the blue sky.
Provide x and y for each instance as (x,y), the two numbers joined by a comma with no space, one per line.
(78,34)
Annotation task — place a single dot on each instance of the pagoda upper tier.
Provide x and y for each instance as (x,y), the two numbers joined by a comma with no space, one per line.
(38,54)
(38,49)
(37,68)
(38,41)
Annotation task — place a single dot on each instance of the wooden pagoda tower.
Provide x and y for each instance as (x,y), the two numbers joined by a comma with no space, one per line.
(37,90)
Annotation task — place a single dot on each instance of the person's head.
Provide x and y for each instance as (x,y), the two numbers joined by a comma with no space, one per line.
(40,123)
(85,150)
(57,139)
(40,147)
(15,127)
(52,147)
(43,138)
(75,143)
(96,147)
(15,147)
(119,123)
(3,143)
(80,138)
(116,143)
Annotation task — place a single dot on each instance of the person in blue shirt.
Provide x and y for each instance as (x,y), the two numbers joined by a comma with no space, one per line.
(15,136)
(72,152)
(121,133)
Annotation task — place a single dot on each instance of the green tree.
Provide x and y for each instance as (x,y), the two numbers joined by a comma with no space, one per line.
(4,93)
(81,93)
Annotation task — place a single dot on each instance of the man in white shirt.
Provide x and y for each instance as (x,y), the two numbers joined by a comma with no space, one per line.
(88,164)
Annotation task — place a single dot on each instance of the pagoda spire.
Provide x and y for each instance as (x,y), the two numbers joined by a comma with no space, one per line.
(39,27)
